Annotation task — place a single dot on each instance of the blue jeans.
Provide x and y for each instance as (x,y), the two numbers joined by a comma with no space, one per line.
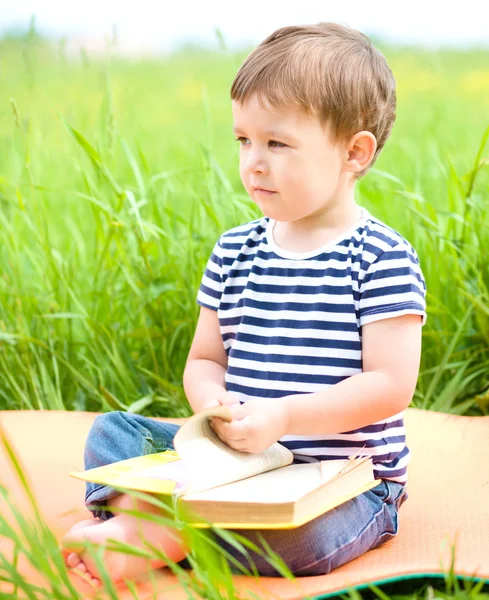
(315,548)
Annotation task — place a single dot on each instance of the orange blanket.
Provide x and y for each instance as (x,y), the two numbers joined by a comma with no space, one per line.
(448,500)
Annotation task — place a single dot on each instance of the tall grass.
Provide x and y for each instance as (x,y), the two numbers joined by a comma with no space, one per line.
(210,576)
(116,178)
(32,541)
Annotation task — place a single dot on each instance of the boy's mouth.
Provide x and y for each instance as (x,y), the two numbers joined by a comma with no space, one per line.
(263,190)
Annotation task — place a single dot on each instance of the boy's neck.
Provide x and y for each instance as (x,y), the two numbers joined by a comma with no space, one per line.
(315,231)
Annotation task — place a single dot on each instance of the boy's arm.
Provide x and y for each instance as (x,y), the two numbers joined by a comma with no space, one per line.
(391,354)
(203,377)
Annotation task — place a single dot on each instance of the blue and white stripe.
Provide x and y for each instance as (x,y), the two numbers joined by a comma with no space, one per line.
(291,323)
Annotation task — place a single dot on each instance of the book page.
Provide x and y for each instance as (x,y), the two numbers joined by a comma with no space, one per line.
(287,484)
(210,462)
(174,471)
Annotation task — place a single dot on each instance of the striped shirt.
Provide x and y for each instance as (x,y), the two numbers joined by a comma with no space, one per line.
(291,323)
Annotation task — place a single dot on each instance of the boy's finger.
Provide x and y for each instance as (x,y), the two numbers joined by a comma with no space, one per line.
(236,430)
(238,411)
(240,445)
(223,431)
(230,432)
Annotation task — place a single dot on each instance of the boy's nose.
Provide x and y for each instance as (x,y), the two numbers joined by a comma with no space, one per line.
(255,162)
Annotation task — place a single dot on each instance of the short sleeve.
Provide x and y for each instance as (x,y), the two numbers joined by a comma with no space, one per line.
(393,285)
(211,287)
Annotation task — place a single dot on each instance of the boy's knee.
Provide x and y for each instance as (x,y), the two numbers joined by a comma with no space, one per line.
(109,440)
(105,426)
(105,420)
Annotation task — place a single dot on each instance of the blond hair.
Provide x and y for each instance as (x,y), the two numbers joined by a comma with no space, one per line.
(328,70)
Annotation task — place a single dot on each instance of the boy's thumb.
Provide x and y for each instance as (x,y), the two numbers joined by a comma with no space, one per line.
(226,399)
(237,411)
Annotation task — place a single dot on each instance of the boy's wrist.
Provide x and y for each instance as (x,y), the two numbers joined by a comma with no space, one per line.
(286,416)
(210,396)
(211,401)
(289,408)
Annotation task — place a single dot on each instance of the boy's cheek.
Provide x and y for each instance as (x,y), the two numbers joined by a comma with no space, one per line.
(247,186)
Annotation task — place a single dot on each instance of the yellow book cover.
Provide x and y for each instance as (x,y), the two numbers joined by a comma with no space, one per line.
(215,484)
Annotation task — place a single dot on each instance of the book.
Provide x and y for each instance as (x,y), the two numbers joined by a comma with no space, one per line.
(216,485)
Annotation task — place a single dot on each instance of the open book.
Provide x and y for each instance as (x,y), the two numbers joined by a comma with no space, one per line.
(215,484)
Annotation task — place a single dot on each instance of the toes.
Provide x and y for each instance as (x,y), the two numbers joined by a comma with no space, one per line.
(72,560)
(82,574)
(86,576)
(82,581)
(81,566)
(82,571)
(96,583)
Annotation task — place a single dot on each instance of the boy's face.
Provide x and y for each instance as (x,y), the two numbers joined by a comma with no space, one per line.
(290,153)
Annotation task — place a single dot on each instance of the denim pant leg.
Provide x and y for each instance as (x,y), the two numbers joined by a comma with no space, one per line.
(331,540)
(118,436)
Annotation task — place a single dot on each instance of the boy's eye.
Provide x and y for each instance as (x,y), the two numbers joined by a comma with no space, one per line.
(278,144)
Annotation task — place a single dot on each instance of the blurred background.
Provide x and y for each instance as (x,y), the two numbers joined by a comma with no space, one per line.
(119,170)
(161,27)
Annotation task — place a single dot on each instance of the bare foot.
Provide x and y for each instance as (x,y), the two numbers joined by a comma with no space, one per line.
(77,570)
(119,566)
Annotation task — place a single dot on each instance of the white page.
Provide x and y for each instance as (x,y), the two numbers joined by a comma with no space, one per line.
(286,484)
(210,462)
(172,471)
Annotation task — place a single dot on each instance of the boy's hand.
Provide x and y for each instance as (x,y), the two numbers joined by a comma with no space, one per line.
(220,398)
(256,425)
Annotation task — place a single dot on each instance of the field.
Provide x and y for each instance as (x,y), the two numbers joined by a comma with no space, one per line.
(117,176)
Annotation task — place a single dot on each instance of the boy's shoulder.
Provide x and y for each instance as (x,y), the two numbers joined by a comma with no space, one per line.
(385,237)
(371,235)
(240,233)
(371,227)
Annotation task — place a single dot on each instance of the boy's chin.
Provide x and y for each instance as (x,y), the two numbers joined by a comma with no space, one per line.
(268,211)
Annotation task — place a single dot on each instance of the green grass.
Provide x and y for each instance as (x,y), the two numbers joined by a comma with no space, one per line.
(209,578)
(116,178)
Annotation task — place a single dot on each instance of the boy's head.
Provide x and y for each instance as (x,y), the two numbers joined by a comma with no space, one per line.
(332,92)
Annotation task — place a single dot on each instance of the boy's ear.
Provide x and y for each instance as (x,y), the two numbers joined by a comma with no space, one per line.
(361,150)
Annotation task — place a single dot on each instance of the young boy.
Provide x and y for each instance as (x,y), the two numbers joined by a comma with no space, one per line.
(311,316)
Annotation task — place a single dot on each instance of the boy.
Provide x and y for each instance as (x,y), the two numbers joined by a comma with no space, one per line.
(311,316)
